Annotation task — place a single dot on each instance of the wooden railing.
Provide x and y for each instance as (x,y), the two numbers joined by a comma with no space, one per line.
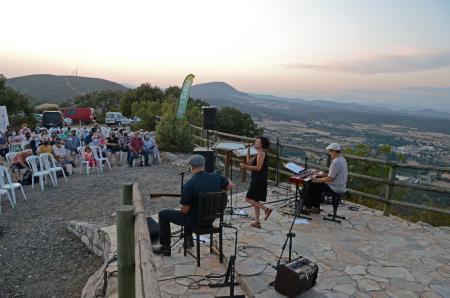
(389,182)
(137,276)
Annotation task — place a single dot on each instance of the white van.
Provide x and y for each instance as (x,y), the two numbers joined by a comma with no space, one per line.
(113,118)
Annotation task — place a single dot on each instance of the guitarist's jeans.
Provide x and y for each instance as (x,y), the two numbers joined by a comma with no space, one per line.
(312,192)
(165,217)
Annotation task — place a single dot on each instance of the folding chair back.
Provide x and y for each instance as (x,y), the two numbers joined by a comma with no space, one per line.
(10,156)
(211,206)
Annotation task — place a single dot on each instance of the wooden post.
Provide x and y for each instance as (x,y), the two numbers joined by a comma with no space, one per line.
(389,190)
(125,252)
(243,171)
(277,166)
(127,196)
(227,163)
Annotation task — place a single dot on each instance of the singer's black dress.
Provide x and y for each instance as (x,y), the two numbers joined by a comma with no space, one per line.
(258,183)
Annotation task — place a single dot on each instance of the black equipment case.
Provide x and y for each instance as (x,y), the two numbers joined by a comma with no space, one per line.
(296,277)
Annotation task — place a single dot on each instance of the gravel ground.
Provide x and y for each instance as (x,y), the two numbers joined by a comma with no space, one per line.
(40,258)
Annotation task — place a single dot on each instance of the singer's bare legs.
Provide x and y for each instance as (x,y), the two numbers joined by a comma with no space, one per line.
(257,205)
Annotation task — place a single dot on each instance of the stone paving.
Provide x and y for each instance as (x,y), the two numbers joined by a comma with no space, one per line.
(367,255)
(171,271)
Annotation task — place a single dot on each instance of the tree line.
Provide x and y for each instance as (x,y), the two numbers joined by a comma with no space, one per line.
(17,105)
(148,101)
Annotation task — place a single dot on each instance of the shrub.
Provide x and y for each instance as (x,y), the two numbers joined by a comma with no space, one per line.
(174,135)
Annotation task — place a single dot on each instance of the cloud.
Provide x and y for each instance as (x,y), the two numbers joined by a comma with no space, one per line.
(405,60)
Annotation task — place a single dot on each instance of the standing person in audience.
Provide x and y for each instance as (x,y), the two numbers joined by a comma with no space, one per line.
(335,181)
(124,142)
(19,162)
(136,148)
(259,167)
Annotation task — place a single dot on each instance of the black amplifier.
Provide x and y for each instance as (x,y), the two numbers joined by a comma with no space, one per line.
(296,277)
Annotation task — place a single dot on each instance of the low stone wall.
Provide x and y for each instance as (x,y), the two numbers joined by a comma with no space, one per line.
(102,242)
(95,239)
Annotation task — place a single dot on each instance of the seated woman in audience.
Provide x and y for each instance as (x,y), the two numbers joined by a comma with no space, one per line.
(60,154)
(26,140)
(112,145)
(4,148)
(45,146)
(19,162)
(89,157)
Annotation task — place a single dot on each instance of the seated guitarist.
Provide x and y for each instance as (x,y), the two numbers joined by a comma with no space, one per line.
(200,182)
(334,181)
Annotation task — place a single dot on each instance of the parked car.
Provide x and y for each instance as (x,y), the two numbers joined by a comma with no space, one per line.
(127,121)
(116,118)
(113,118)
(37,117)
(52,119)
(68,121)
(85,115)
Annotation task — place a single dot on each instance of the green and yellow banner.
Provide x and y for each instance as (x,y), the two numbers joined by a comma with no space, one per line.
(184,96)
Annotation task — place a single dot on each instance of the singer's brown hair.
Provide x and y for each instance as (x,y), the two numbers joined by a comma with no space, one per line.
(264,141)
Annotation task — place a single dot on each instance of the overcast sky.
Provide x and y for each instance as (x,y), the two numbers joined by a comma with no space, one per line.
(279,47)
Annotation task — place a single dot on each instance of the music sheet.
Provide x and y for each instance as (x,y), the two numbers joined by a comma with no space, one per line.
(294,167)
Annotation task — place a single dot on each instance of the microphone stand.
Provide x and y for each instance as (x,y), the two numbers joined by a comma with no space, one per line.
(182,228)
(289,237)
(231,209)
(229,275)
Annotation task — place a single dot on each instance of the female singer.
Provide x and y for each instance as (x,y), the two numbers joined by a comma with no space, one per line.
(259,167)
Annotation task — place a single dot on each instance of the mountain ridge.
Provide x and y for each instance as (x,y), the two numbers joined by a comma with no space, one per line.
(55,88)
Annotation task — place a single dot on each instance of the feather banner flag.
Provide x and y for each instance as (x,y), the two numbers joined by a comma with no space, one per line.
(184,96)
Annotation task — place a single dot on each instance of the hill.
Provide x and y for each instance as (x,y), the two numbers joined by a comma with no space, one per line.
(279,108)
(56,89)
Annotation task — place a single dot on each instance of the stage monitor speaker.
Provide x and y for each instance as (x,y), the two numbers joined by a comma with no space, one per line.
(209,118)
(209,156)
(296,277)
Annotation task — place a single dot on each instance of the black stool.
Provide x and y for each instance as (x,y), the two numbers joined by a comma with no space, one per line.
(335,201)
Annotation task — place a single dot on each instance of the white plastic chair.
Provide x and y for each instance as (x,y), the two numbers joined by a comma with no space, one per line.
(38,171)
(49,164)
(83,161)
(6,183)
(10,156)
(97,151)
(4,192)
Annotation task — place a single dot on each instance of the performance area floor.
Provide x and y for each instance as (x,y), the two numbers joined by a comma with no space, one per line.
(367,255)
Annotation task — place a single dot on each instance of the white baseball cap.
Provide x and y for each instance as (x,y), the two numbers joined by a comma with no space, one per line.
(334,146)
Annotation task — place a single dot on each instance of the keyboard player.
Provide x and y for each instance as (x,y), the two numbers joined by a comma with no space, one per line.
(334,181)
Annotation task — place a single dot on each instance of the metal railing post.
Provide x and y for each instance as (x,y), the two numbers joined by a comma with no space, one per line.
(389,190)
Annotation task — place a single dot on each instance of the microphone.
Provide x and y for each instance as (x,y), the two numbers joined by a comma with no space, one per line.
(184,172)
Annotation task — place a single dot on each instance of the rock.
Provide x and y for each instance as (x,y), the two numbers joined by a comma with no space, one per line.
(390,272)
(358,269)
(346,289)
(395,293)
(368,285)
